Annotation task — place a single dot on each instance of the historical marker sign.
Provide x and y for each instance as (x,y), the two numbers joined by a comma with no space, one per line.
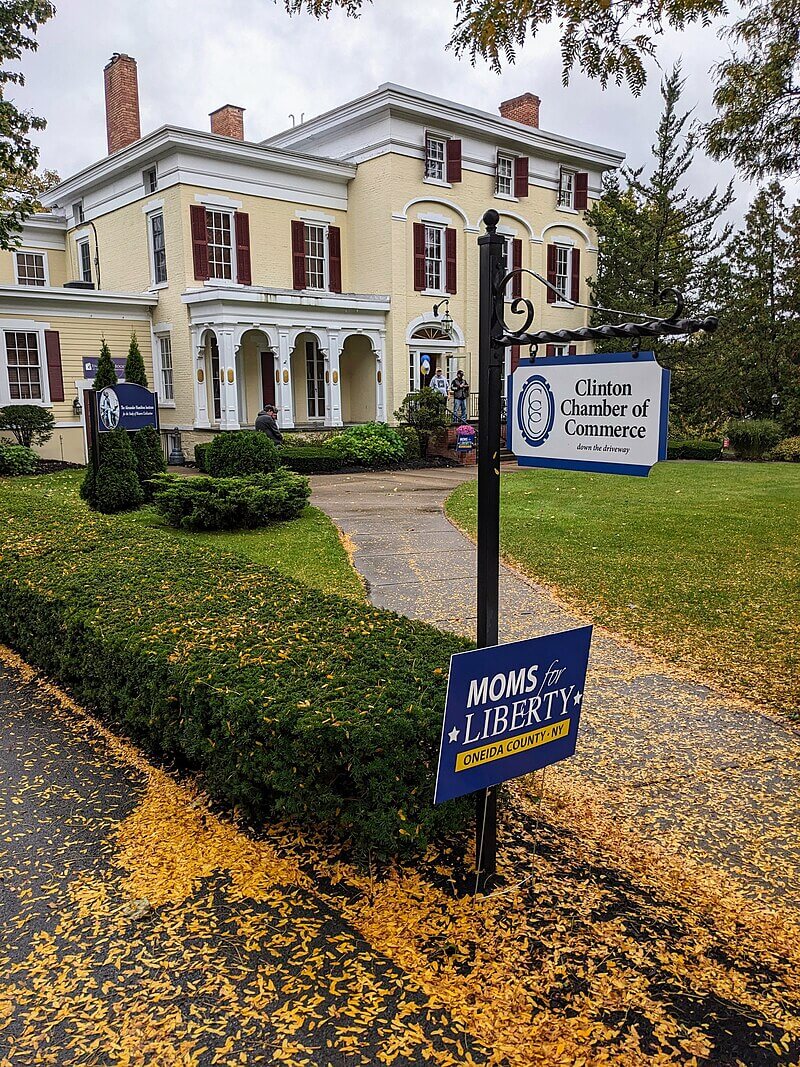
(605,413)
(127,407)
(511,709)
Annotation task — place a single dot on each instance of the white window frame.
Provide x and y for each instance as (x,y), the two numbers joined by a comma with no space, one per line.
(152,248)
(565,200)
(326,273)
(37,328)
(436,138)
(564,298)
(150,179)
(503,194)
(234,265)
(45,267)
(560,350)
(80,243)
(160,336)
(441,290)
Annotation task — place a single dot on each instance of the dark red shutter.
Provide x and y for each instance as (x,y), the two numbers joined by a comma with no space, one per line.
(197,214)
(419,256)
(516,264)
(450,265)
(52,345)
(581,192)
(298,254)
(335,259)
(515,355)
(242,226)
(550,350)
(576,274)
(267,378)
(521,167)
(454,159)
(572,350)
(551,273)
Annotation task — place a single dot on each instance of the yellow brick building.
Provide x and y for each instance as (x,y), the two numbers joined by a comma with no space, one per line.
(302,270)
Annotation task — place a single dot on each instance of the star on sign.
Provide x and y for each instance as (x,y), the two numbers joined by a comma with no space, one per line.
(578,697)
(453,735)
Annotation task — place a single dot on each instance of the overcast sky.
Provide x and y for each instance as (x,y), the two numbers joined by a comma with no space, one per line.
(195,55)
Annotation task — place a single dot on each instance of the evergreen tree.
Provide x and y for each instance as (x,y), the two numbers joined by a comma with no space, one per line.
(149,457)
(134,365)
(106,375)
(115,485)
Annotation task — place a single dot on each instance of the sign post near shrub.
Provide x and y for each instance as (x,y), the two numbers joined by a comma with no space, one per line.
(494,338)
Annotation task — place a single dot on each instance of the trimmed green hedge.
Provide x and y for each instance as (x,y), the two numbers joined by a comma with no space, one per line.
(311,459)
(293,704)
(238,453)
(693,448)
(200,456)
(787,450)
(230,503)
(753,438)
(16,460)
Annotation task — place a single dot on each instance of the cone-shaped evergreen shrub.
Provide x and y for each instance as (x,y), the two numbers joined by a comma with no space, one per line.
(150,461)
(115,486)
(106,375)
(134,365)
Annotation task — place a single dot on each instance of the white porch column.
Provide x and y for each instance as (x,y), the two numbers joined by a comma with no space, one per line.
(229,403)
(200,379)
(333,382)
(283,392)
(380,378)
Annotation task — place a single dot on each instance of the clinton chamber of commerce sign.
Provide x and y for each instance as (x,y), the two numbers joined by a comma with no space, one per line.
(605,412)
(511,709)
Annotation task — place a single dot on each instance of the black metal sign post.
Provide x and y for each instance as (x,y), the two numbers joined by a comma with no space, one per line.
(494,338)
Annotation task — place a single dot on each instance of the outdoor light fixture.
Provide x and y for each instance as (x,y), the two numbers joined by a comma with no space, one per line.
(76,407)
(447,318)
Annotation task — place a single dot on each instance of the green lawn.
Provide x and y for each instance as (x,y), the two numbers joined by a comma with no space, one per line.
(700,561)
(308,548)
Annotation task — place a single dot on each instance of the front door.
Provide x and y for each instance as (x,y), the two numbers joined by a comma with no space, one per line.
(267,379)
(315,381)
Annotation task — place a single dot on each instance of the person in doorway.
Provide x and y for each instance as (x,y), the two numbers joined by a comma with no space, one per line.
(440,383)
(460,390)
(267,422)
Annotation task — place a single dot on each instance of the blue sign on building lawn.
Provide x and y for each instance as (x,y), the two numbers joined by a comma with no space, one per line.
(511,709)
(126,407)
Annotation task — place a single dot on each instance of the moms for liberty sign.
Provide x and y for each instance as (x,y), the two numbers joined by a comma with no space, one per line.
(605,413)
(511,709)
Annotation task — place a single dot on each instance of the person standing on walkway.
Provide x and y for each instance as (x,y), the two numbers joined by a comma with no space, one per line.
(440,383)
(460,391)
(267,422)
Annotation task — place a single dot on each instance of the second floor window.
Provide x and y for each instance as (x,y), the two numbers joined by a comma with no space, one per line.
(84,261)
(220,252)
(435,158)
(505,175)
(315,257)
(566,188)
(158,249)
(31,268)
(24,366)
(165,355)
(434,247)
(150,178)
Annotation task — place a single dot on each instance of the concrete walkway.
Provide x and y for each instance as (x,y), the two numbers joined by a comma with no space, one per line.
(699,773)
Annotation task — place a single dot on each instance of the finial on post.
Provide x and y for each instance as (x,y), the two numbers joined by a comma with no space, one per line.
(491,219)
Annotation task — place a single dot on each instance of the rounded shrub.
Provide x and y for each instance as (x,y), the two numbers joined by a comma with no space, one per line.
(787,450)
(115,485)
(241,452)
(693,448)
(149,455)
(374,444)
(29,423)
(16,460)
(230,503)
(753,438)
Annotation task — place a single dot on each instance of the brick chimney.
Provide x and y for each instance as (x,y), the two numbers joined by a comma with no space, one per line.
(122,102)
(523,109)
(228,121)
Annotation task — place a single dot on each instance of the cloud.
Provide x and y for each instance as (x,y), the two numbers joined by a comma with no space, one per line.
(195,55)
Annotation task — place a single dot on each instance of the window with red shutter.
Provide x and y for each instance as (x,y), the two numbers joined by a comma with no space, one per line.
(419,256)
(454,159)
(197,216)
(55,377)
(551,273)
(572,350)
(335,259)
(581,192)
(451,266)
(550,350)
(576,275)
(298,254)
(242,228)
(521,168)
(516,264)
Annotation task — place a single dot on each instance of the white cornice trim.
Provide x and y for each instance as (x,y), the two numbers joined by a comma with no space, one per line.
(55,301)
(261,297)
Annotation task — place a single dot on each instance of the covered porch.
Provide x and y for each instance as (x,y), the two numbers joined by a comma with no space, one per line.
(319,359)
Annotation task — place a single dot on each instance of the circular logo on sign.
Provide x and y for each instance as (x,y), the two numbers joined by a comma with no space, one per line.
(109,409)
(536,410)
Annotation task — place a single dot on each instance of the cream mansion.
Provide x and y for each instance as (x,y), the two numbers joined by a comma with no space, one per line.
(300,270)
